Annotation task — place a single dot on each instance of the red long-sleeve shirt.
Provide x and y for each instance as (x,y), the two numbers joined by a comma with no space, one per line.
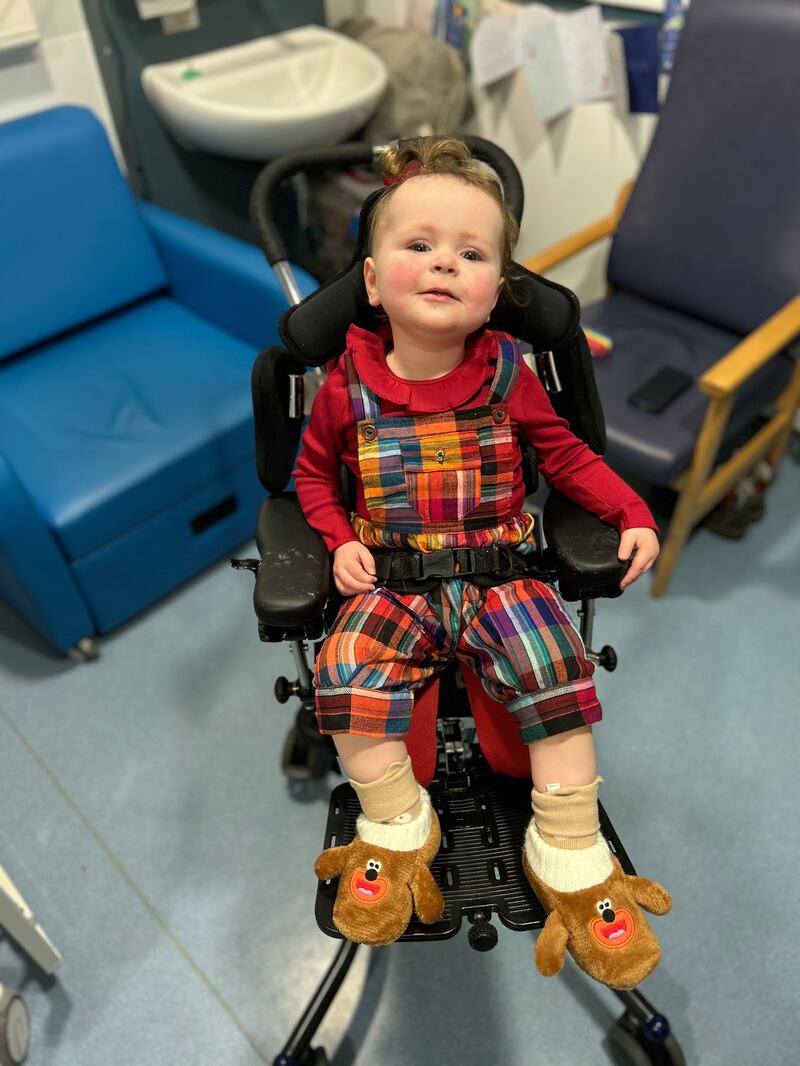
(566,462)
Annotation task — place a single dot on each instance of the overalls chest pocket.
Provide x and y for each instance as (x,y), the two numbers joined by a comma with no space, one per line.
(443,475)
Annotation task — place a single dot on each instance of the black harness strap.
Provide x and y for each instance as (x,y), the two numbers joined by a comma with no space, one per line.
(410,571)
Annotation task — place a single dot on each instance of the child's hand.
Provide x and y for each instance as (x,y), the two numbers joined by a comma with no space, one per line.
(353,568)
(644,542)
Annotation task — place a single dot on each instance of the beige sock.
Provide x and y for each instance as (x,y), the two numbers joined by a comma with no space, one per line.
(568,817)
(394,798)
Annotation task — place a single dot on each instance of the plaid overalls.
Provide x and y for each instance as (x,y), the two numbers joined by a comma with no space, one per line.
(445,481)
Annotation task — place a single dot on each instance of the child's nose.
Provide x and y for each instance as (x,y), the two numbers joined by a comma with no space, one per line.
(445,263)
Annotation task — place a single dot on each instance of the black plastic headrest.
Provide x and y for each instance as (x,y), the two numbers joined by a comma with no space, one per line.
(543,314)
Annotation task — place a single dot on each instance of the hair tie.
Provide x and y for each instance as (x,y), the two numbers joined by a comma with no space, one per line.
(408,171)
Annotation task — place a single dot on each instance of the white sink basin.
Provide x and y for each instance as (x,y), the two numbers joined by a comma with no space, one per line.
(305,88)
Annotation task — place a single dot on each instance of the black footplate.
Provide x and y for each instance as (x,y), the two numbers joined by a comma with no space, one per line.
(478,868)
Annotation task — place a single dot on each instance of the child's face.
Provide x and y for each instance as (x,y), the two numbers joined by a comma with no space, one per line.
(436,265)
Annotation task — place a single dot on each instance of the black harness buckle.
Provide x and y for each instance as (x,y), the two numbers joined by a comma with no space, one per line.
(437,564)
(465,561)
(504,566)
(494,563)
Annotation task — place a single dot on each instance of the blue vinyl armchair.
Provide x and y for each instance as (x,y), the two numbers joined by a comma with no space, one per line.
(127,337)
(704,268)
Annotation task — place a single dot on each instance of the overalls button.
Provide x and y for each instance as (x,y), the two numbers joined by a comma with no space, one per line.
(439,456)
(370,433)
(499,414)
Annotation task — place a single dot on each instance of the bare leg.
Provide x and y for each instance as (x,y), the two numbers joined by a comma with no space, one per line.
(378,890)
(566,758)
(367,759)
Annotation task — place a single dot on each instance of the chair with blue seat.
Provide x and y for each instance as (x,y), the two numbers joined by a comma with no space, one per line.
(704,267)
(127,336)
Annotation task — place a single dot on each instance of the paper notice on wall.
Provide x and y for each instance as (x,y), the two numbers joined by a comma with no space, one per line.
(546,72)
(531,16)
(586,54)
(619,74)
(564,57)
(494,50)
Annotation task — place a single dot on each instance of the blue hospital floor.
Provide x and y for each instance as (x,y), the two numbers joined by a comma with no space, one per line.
(145,820)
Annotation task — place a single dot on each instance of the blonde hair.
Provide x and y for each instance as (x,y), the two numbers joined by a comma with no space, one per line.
(443,155)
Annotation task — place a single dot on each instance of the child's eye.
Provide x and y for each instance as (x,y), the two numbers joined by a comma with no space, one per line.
(472,255)
(418,246)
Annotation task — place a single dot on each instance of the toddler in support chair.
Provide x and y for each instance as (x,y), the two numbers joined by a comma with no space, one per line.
(428,414)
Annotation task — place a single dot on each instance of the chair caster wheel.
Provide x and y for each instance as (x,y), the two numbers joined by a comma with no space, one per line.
(482,935)
(307,755)
(607,658)
(651,1044)
(15,1029)
(303,761)
(85,651)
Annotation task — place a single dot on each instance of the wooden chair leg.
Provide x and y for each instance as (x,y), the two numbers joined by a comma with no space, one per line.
(790,400)
(680,527)
(687,510)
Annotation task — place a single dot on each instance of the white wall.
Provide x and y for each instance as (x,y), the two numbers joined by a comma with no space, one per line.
(60,69)
(572,168)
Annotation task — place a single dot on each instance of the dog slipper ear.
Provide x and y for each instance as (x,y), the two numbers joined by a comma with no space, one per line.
(649,895)
(428,899)
(330,863)
(551,945)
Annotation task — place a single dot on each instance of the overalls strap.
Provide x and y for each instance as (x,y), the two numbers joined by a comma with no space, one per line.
(366,404)
(506,372)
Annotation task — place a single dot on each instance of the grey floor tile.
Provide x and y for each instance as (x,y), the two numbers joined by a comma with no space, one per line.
(125,991)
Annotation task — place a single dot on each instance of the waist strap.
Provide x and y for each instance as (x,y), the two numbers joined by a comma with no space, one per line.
(494,564)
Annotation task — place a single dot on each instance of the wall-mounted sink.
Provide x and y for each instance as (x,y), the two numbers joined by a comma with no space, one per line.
(304,88)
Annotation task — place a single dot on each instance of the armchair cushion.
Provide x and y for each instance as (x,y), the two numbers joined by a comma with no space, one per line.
(713,224)
(218,277)
(112,424)
(647,337)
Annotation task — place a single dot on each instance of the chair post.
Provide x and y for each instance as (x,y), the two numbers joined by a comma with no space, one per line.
(686,511)
(789,403)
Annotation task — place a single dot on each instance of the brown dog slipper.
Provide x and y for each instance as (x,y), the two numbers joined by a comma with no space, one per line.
(379,886)
(602,926)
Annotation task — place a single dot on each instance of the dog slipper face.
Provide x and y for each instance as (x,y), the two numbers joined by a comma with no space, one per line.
(602,927)
(378,888)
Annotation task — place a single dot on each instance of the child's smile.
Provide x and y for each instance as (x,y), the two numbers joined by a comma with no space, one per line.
(438,295)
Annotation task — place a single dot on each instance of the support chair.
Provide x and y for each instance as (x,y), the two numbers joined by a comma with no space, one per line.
(127,337)
(704,268)
(463,745)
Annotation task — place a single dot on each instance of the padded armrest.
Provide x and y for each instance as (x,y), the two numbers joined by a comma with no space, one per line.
(293,578)
(583,549)
(34,577)
(223,280)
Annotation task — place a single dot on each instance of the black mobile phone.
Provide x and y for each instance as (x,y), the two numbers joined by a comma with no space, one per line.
(660,390)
